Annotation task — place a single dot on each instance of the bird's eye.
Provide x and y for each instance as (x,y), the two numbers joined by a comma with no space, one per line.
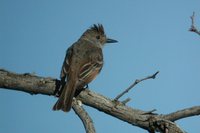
(98,37)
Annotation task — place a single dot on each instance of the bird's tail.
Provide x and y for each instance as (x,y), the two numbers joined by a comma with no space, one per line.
(65,100)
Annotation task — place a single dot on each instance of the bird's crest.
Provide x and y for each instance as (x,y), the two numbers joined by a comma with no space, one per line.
(98,28)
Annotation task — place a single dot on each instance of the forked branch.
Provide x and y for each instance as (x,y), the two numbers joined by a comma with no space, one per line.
(193,27)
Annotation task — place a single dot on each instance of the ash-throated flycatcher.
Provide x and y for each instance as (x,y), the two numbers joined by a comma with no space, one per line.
(82,63)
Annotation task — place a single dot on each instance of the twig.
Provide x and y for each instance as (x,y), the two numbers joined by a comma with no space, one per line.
(136,82)
(193,28)
(83,115)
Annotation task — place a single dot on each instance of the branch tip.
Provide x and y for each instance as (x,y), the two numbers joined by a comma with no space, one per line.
(154,75)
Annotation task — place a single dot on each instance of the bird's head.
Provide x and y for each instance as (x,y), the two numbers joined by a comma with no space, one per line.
(96,35)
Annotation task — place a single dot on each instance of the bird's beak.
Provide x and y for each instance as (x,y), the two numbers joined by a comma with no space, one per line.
(111,40)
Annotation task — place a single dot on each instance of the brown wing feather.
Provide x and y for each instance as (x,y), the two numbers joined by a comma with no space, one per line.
(90,69)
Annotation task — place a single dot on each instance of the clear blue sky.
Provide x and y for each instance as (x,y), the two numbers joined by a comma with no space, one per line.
(152,35)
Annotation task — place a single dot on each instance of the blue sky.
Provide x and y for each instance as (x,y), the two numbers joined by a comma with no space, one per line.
(152,35)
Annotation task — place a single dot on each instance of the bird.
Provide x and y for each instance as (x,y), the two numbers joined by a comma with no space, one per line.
(83,62)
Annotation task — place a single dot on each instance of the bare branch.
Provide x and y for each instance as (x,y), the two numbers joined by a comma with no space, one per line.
(83,115)
(143,119)
(183,113)
(29,83)
(136,82)
(193,27)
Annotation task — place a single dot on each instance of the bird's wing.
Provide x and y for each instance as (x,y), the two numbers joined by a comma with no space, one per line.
(91,68)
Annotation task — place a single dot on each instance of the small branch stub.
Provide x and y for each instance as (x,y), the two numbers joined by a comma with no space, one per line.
(126,101)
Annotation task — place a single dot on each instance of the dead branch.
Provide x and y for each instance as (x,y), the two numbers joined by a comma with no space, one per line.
(83,115)
(135,83)
(152,122)
(193,27)
(188,112)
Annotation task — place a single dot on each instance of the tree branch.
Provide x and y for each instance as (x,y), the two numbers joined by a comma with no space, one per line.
(152,122)
(193,27)
(188,112)
(29,83)
(83,115)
